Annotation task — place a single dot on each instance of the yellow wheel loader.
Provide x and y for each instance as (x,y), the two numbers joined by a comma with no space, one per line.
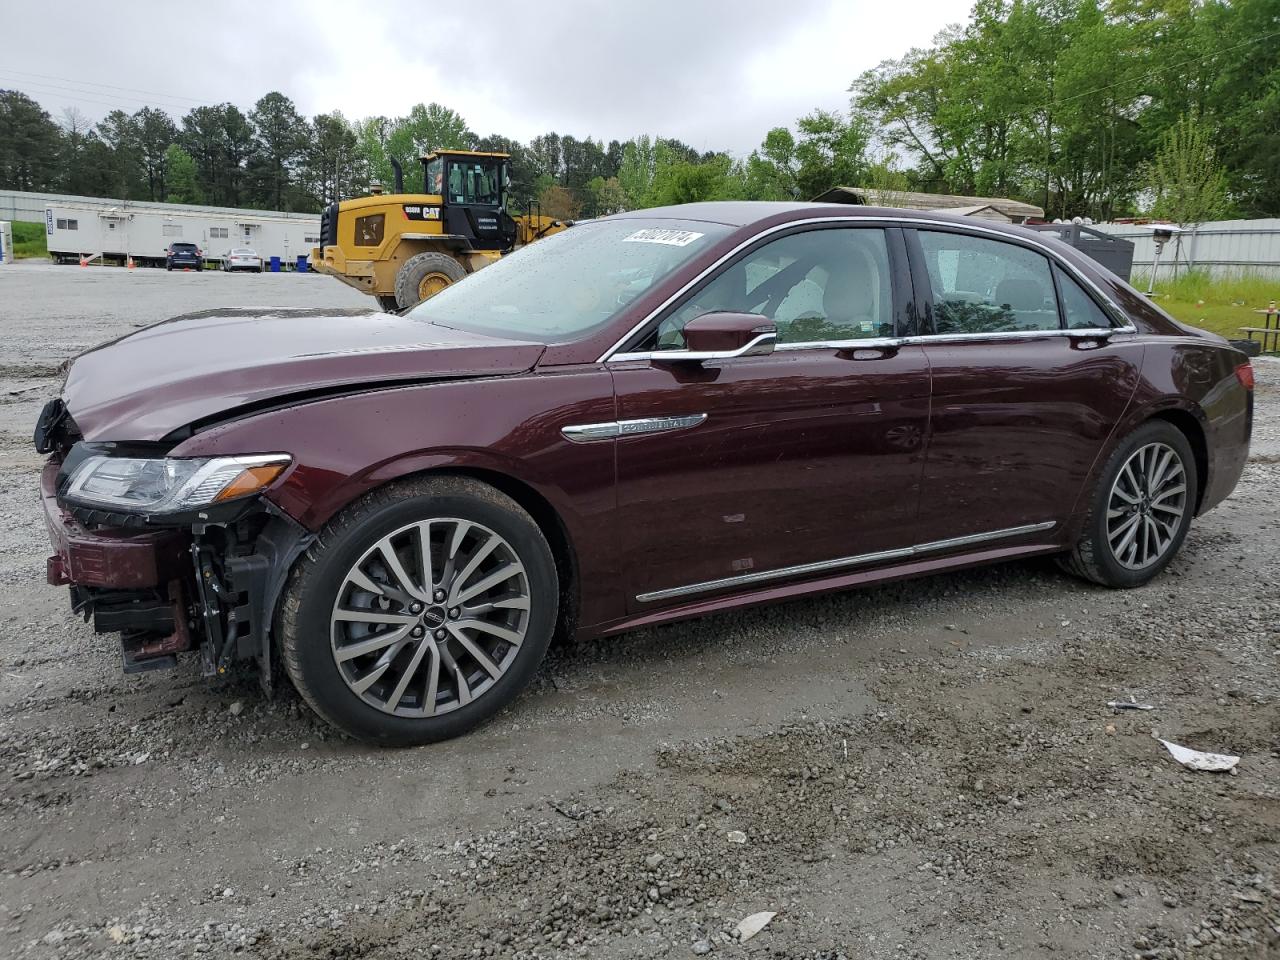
(404,247)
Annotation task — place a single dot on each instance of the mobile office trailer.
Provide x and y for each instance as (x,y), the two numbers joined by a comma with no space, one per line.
(116,233)
(6,241)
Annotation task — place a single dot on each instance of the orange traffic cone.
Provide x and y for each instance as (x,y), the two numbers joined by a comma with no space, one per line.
(130,263)
(186,269)
(83,261)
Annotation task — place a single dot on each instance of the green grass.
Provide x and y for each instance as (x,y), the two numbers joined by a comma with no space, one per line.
(29,240)
(1222,306)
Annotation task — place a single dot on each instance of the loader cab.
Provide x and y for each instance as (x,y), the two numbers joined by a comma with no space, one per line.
(473,192)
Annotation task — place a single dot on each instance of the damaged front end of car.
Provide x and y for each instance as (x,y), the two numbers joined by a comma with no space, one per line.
(174,554)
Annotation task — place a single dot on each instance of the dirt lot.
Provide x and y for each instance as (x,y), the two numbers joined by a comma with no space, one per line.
(924,770)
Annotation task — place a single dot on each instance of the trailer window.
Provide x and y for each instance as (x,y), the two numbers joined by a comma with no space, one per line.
(68,224)
(217,233)
(369,230)
(171,229)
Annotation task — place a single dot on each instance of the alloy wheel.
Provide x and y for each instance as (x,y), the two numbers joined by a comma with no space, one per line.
(430,617)
(1146,506)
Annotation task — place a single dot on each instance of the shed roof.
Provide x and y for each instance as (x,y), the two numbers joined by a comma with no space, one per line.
(1014,209)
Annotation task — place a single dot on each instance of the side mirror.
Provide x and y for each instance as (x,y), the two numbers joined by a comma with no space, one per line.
(723,336)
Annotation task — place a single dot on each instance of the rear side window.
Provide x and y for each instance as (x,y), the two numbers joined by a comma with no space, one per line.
(369,230)
(1078,308)
(987,286)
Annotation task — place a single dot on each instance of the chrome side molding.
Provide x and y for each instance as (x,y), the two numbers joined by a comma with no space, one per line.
(588,432)
(858,560)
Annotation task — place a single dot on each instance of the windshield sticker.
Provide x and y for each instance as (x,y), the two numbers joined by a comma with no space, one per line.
(672,238)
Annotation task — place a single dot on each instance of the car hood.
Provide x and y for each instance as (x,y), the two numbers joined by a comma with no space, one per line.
(201,366)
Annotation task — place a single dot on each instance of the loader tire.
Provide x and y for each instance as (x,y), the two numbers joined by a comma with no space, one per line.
(424,275)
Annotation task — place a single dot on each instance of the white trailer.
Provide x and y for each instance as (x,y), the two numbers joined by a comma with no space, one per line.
(144,231)
(6,242)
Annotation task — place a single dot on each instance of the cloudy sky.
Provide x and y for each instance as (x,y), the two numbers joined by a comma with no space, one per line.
(714,73)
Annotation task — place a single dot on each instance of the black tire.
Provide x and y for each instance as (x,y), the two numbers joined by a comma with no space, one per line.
(387,304)
(418,268)
(1093,557)
(305,628)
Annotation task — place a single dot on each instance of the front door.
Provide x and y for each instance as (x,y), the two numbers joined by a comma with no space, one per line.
(743,472)
(1023,398)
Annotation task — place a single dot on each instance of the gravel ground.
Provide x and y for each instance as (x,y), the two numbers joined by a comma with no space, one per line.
(921,770)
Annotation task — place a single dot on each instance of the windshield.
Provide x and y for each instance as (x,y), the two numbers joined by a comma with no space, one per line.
(474,181)
(569,284)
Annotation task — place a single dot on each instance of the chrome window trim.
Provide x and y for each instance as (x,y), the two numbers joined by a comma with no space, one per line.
(1110,306)
(610,429)
(881,343)
(840,563)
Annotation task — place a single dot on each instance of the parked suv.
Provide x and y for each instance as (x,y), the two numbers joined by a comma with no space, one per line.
(182,255)
(645,418)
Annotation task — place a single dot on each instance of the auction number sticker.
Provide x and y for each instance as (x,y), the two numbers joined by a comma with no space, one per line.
(672,238)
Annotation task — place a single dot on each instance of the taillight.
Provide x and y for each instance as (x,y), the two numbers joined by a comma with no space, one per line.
(1244,373)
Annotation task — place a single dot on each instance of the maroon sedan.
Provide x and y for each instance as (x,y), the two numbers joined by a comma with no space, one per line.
(649,417)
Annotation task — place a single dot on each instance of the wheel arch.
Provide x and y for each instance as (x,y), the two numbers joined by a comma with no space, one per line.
(533,501)
(1190,427)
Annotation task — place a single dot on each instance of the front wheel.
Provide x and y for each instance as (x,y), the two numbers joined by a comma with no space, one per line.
(1141,509)
(424,275)
(420,611)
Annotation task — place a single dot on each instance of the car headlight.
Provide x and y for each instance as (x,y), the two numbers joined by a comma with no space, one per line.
(170,484)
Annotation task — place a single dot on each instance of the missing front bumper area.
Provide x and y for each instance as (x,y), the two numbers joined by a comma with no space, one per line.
(167,591)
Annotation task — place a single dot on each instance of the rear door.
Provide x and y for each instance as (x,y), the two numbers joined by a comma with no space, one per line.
(1023,397)
(760,466)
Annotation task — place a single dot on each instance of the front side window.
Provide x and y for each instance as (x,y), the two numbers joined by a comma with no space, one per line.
(987,286)
(568,285)
(435,176)
(369,230)
(818,286)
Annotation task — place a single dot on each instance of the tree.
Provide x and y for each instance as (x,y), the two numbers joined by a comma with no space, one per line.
(154,132)
(605,197)
(123,156)
(830,152)
(635,172)
(331,168)
(1189,184)
(279,138)
(559,202)
(29,142)
(181,181)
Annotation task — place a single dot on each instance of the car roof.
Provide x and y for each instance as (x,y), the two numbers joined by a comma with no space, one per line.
(744,213)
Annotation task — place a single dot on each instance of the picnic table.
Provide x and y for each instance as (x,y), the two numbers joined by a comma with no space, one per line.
(1269,331)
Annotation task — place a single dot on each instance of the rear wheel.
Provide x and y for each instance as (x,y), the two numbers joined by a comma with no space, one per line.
(420,611)
(424,276)
(1140,510)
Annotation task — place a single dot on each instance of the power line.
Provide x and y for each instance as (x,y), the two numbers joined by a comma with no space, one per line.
(89,96)
(109,86)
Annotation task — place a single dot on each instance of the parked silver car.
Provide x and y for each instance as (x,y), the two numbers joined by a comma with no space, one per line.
(242,258)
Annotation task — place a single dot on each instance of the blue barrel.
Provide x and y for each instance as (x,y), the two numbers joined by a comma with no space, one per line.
(302,263)
(275,264)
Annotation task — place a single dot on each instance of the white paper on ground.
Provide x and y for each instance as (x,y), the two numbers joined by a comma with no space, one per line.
(752,925)
(1197,760)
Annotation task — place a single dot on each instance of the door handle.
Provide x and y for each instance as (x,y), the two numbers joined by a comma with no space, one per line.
(868,353)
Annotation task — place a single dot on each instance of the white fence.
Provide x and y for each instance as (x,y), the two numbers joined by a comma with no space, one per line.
(1221,247)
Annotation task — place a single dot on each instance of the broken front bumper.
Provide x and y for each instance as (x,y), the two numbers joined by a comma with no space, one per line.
(167,590)
(134,584)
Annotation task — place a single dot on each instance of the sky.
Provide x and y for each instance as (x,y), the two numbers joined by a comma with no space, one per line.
(716,74)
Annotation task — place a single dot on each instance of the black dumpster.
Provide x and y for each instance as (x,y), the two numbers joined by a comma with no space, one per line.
(1112,252)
